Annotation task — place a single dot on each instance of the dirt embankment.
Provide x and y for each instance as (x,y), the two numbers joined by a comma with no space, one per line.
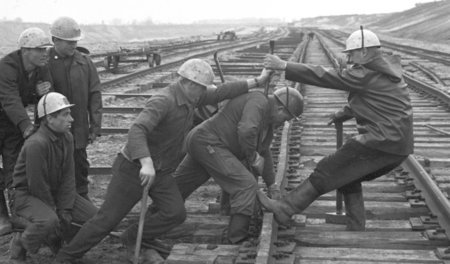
(425,22)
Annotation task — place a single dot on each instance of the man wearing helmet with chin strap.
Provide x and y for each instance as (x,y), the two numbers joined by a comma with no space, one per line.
(43,199)
(233,147)
(379,101)
(151,154)
(75,76)
(23,79)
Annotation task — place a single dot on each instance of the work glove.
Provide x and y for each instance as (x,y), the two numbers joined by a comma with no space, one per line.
(43,88)
(258,164)
(273,62)
(339,117)
(264,77)
(342,62)
(92,137)
(29,131)
(274,191)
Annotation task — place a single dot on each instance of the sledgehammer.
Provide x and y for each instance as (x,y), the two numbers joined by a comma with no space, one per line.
(141,224)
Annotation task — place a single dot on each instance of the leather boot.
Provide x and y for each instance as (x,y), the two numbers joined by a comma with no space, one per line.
(354,209)
(5,224)
(16,249)
(238,228)
(294,202)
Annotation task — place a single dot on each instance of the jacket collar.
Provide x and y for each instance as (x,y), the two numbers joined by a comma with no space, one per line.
(52,135)
(77,56)
(180,96)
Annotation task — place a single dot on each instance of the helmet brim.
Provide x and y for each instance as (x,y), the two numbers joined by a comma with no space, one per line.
(70,39)
(44,46)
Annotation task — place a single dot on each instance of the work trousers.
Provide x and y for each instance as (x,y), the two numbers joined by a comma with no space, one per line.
(42,225)
(124,191)
(350,165)
(81,171)
(208,156)
(11,141)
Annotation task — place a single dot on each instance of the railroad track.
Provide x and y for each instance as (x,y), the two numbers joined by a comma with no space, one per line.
(407,210)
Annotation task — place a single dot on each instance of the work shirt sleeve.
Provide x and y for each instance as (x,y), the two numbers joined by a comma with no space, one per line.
(65,196)
(250,124)
(349,80)
(37,172)
(223,92)
(155,110)
(95,105)
(10,98)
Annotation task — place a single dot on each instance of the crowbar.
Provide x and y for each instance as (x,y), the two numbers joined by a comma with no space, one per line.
(272,47)
(219,68)
(141,224)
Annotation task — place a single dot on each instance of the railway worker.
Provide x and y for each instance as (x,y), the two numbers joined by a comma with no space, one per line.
(44,201)
(150,156)
(23,79)
(379,101)
(75,76)
(233,146)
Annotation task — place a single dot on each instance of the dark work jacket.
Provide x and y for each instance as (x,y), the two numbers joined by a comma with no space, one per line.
(160,129)
(379,100)
(18,90)
(81,85)
(244,126)
(45,168)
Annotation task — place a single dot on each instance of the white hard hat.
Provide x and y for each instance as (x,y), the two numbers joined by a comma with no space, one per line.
(66,28)
(51,103)
(291,99)
(362,38)
(198,71)
(33,38)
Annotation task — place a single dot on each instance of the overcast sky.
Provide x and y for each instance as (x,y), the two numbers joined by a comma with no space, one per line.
(187,11)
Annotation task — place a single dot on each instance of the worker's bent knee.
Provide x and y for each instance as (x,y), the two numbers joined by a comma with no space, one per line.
(175,215)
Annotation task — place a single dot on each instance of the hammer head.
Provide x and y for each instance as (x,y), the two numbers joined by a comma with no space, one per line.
(272,46)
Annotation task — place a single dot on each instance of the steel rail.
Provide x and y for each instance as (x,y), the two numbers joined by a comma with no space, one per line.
(435,199)
(428,72)
(431,55)
(269,230)
(441,95)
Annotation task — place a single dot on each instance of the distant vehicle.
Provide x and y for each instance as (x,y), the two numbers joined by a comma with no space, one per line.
(150,55)
(227,35)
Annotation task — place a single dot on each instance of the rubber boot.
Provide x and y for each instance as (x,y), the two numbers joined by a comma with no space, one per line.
(238,228)
(294,202)
(354,209)
(17,251)
(5,224)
